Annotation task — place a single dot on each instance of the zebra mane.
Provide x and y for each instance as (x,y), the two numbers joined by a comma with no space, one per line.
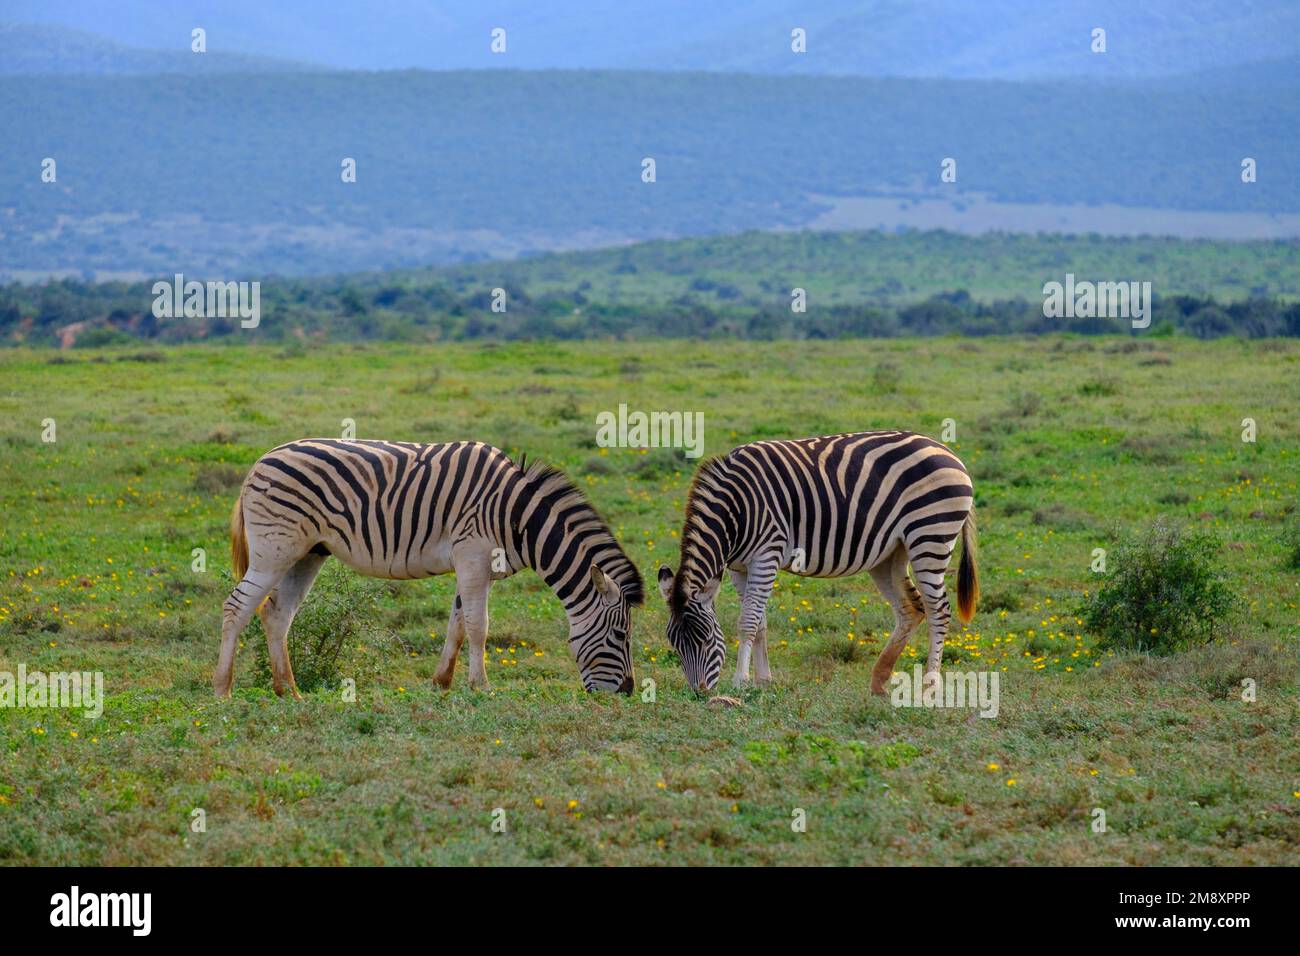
(707,476)
(559,491)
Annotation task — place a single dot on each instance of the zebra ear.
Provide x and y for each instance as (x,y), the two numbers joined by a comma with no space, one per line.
(706,594)
(666,582)
(606,586)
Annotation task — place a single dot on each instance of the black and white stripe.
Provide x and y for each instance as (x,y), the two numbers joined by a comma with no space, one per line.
(406,510)
(821,507)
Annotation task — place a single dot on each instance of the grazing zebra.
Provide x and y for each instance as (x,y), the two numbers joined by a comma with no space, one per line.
(821,507)
(406,510)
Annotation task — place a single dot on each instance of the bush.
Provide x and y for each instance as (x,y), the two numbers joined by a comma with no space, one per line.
(885,378)
(1100,385)
(218,478)
(1291,544)
(597,466)
(1025,404)
(101,336)
(1165,593)
(836,648)
(658,463)
(336,633)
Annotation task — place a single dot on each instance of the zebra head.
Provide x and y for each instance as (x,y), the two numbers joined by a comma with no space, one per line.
(600,636)
(693,630)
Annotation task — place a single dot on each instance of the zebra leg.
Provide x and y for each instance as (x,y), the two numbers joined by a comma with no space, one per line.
(762,670)
(757,583)
(451,646)
(277,614)
(892,580)
(740,580)
(929,568)
(235,615)
(473,585)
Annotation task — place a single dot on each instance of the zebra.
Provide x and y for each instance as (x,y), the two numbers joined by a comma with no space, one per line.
(404,510)
(821,507)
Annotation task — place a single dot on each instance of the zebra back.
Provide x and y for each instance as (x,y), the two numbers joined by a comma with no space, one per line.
(843,500)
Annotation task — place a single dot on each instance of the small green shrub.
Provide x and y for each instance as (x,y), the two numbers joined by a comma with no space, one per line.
(1000,599)
(659,463)
(1291,546)
(423,384)
(101,336)
(1061,518)
(840,649)
(1100,385)
(1163,594)
(32,620)
(1025,405)
(886,378)
(218,478)
(566,411)
(336,633)
(598,466)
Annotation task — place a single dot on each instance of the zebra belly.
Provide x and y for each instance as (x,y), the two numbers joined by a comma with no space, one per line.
(433,559)
(828,572)
(806,561)
(796,565)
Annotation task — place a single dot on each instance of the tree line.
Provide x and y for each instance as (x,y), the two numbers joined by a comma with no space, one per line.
(76,313)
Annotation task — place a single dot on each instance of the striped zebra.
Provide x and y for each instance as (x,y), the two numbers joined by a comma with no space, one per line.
(821,507)
(405,510)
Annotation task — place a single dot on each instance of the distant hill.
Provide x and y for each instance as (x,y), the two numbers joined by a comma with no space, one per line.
(955,39)
(40,49)
(1279,73)
(240,174)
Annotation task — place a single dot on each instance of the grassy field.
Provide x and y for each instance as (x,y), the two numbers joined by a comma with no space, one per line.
(1070,442)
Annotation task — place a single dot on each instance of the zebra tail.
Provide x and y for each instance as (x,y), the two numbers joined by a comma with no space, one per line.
(968,582)
(239,541)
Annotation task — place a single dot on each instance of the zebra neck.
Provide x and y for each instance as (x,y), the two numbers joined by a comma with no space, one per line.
(548,525)
(569,585)
(724,526)
(707,549)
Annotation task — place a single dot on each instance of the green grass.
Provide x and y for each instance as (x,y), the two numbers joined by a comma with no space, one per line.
(95,574)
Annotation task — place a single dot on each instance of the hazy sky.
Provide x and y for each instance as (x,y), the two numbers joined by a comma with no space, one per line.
(955,38)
